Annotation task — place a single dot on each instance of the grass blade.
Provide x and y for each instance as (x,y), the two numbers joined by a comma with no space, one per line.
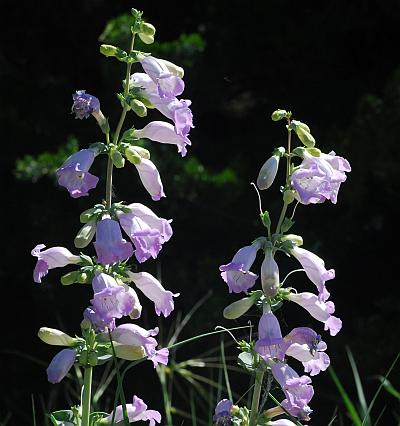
(228,386)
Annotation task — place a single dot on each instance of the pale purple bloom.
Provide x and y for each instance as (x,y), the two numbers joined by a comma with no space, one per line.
(54,257)
(163,132)
(315,269)
(146,230)
(137,411)
(152,288)
(318,309)
(134,335)
(150,178)
(269,275)
(74,173)
(222,414)
(270,343)
(318,178)
(280,422)
(99,323)
(298,390)
(168,84)
(237,273)
(110,246)
(60,365)
(84,104)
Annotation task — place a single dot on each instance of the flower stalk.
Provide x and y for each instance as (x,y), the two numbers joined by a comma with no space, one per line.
(86,395)
(256,397)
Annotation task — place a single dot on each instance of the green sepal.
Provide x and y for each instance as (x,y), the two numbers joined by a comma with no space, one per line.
(280,151)
(286,224)
(299,151)
(98,147)
(117,159)
(58,418)
(86,260)
(70,278)
(286,246)
(246,360)
(128,136)
(265,219)
(89,214)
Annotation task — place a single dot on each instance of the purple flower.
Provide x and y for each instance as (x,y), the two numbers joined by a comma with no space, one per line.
(236,273)
(110,246)
(318,178)
(54,257)
(146,230)
(298,390)
(318,309)
(150,178)
(315,269)
(163,132)
(270,343)
(152,288)
(60,365)
(222,414)
(137,411)
(84,104)
(99,323)
(74,173)
(135,336)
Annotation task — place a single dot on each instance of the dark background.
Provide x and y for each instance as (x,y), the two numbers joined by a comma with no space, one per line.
(335,64)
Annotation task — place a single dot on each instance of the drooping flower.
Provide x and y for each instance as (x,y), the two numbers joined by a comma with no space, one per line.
(237,273)
(318,309)
(99,323)
(110,246)
(298,390)
(74,173)
(163,132)
(137,411)
(150,178)
(60,365)
(222,414)
(269,275)
(54,257)
(152,288)
(315,269)
(318,178)
(84,104)
(146,230)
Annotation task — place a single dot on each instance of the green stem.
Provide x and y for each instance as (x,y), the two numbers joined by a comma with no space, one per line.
(167,401)
(281,217)
(86,395)
(256,397)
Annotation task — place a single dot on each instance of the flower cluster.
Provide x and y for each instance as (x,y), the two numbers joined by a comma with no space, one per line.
(315,180)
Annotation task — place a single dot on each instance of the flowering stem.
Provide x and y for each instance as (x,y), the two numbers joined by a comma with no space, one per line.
(256,397)
(281,217)
(86,395)
(167,400)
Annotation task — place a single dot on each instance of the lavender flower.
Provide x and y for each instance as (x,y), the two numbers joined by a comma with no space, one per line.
(269,275)
(74,173)
(147,231)
(318,178)
(84,104)
(110,246)
(237,273)
(222,414)
(60,365)
(152,288)
(99,323)
(270,343)
(150,178)
(54,257)
(137,411)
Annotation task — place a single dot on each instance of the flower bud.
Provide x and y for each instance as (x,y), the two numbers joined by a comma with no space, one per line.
(92,359)
(147,32)
(82,278)
(297,123)
(134,154)
(85,325)
(117,159)
(269,275)
(55,337)
(295,239)
(240,307)
(315,152)
(86,215)
(109,50)
(70,278)
(85,234)
(128,352)
(279,114)
(138,107)
(289,196)
(268,172)
(306,137)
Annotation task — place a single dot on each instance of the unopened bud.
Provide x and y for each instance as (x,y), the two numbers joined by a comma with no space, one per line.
(82,278)
(289,196)
(315,152)
(86,324)
(240,307)
(147,32)
(117,159)
(55,337)
(87,215)
(128,352)
(70,278)
(295,239)
(134,154)
(85,234)
(268,172)
(138,107)
(279,114)
(269,275)
(306,137)
(109,50)
(297,123)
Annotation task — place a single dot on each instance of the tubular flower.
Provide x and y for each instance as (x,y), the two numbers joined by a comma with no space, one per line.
(99,323)
(269,275)
(147,231)
(150,178)
(237,273)
(74,173)
(110,246)
(222,414)
(54,257)
(84,104)
(137,411)
(270,343)
(315,269)
(152,288)
(60,365)
(318,178)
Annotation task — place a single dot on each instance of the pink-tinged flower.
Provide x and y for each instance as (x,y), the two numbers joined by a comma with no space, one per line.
(136,336)
(222,414)
(74,173)
(315,269)
(168,84)
(318,178)
(163,132)
(150,178)
(152,288)
(137,411)
(298,390)
(269,275)
(147,231)
(110,246)
(99,323)
(60,365)
(237,273)
(54,257)
(321,311)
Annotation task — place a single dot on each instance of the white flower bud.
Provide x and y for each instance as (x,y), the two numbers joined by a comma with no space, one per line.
(128,352)
(269,275)
(85,234)
(55,337)
(240,307)
(268,171)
